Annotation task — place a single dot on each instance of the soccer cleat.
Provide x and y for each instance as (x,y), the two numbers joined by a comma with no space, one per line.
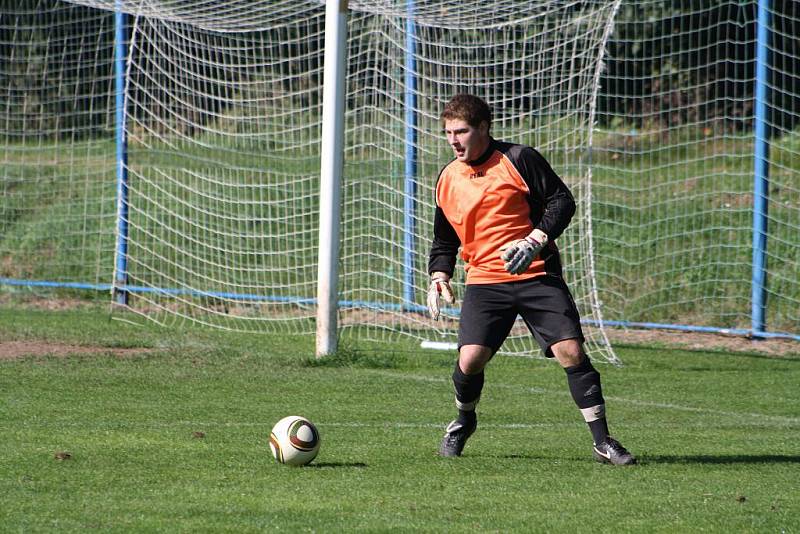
(612,452)
(455,438)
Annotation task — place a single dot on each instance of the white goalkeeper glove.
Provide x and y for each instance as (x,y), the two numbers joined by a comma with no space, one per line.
(519,254)
(440,287)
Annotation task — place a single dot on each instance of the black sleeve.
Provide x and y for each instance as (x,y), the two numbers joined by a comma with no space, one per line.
(444,248)
(552,204)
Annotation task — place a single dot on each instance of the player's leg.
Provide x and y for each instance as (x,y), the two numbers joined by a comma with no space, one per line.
(468,380)
(553,318)
(587,392)
(584,385)
(486,320)
(468,384)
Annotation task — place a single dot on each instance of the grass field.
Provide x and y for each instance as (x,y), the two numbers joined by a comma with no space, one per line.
(716,435)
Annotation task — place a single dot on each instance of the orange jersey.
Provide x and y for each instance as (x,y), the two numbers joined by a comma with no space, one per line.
(493,201)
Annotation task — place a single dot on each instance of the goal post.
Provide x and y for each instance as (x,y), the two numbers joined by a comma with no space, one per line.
(120,294)
(331,166)
(760,172)
(410,175)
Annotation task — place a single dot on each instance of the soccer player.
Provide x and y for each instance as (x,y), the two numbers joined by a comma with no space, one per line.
(503,205)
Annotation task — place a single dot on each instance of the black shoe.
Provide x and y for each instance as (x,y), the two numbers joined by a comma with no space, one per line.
(611,451)
(455,438)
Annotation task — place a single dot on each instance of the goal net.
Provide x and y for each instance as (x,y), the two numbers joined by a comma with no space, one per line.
(223,107)
(57,165)
(682,134)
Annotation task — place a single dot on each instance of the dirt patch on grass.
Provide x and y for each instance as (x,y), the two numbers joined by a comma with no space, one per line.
(11,350)
(35,302)
(669,339)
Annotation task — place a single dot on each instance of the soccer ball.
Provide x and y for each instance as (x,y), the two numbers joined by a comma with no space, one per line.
(294,440)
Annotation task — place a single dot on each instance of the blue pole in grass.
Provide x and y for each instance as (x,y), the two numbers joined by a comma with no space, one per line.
(760,171)
(121,259)
(410,189)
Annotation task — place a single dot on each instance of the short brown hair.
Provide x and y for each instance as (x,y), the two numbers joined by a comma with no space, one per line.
(469,108)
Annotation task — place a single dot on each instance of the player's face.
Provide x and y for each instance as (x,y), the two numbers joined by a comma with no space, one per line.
(468,142)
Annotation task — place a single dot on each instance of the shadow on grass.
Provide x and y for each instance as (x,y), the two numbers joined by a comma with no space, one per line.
(523,457)
(718,459)
(346,357)
(512,456)
(735,459)
(329,465)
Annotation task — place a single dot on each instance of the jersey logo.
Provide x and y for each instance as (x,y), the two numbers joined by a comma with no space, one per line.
(477,174)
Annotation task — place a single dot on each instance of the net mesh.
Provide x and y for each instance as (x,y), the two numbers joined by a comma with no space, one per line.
(674,166)
(57,161)
(223,122)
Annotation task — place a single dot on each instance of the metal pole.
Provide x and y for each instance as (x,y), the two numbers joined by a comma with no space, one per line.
(120,294)
(410,186)
(331,165)
(760,171)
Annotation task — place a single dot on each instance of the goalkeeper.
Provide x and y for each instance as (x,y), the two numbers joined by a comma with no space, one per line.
(503,205)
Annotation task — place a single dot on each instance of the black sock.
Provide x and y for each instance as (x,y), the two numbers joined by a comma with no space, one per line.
(467,417)
(584,385)
(468,392)
(599,430)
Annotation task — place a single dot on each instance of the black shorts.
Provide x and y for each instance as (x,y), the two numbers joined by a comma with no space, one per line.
(544,302)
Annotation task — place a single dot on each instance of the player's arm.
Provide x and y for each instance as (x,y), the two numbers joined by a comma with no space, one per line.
(444,248)
(441,262)
(552,207)
(553,201)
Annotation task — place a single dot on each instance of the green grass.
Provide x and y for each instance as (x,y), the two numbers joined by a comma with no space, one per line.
(716,435)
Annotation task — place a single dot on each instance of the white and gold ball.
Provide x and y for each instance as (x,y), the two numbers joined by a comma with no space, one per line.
(294,440)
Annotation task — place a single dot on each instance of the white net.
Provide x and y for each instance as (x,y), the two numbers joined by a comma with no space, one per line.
(674,165)
(57,163)
(224,164)
(223,110)
(539,74)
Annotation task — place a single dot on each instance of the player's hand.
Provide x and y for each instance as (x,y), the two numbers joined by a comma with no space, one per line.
(439,288)
(519,254)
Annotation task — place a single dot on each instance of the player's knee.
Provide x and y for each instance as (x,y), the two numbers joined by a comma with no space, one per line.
(473,358)
(569,352)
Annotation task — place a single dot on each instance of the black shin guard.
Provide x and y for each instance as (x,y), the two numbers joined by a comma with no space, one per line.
(584,385)
(468,392)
